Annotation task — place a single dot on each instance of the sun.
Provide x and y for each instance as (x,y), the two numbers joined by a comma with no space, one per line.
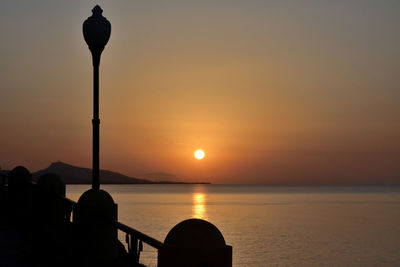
(199,154)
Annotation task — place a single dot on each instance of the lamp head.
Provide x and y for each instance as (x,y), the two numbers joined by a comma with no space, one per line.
(96,31)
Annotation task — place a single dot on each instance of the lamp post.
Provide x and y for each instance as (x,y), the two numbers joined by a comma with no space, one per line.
(96,31)
(100,236)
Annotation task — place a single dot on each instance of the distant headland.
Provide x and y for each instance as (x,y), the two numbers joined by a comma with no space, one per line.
(70,174)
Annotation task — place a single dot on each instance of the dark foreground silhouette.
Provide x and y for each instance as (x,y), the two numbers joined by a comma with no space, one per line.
(41,227)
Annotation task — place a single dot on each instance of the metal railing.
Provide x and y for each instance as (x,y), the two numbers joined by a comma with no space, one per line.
(134,239)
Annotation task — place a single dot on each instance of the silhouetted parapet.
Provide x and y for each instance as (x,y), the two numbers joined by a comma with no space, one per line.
(48,237)
(196,243)
(3,195)
(96,238)
(19,199)
(49,208)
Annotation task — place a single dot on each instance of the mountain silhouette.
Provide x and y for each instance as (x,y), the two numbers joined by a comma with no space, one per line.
(70,174)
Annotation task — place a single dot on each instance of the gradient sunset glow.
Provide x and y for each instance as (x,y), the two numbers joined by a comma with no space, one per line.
(278,92)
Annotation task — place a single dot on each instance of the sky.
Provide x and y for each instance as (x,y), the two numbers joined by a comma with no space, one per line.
(274,92)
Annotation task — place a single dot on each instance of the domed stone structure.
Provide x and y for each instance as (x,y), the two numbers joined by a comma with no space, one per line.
(98,201)
(97,239)
(195,242)
(19,177)
(19,203)
(51,183)
(195,233)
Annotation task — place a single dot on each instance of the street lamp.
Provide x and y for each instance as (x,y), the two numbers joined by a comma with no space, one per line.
(96,31)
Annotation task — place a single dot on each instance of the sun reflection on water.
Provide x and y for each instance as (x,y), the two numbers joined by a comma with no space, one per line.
(199,207)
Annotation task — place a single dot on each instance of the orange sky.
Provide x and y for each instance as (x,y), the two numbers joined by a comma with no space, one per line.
(274,92)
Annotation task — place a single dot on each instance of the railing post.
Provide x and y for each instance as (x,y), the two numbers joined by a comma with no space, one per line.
(68,213)
(135,246)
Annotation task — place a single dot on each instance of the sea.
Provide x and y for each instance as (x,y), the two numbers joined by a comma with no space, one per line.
(271,225)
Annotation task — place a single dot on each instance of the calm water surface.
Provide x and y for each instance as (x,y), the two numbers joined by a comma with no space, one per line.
(272,226)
